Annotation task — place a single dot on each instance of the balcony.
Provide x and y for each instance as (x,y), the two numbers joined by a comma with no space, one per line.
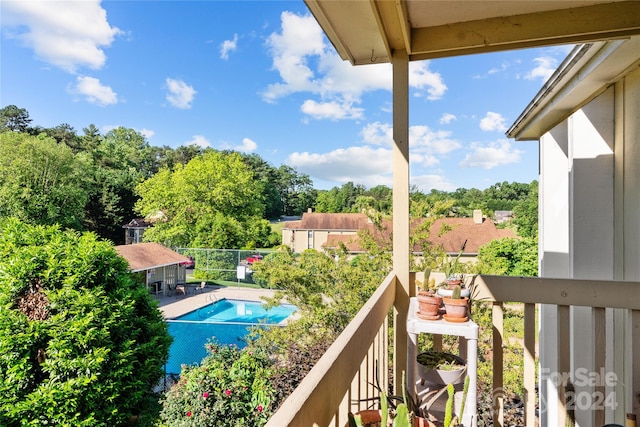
(341,380)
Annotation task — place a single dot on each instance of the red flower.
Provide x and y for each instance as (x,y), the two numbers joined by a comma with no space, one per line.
(260,408)
(205,394)
(227,392)
(189,414)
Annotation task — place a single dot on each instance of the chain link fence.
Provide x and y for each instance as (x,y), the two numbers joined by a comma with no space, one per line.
(222,264)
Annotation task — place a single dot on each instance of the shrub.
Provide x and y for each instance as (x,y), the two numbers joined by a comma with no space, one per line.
(81,344)
(230,387)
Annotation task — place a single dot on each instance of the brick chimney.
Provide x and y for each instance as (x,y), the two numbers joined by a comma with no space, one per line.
(477,216)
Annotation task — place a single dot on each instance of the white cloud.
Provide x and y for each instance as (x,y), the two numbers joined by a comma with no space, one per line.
(420,77)
(447,118)
(425,160)
(378,134)
(546,66)
(501,68)
(493,122)
(426,183)
(489,156)
(301,37)
(362,165)
(94,91)
(421,138)
(424,140)
(331,110)
(247,146)
(198,140)
(67,34)
(228,46)
(180,94)
(147,133)
(305,63)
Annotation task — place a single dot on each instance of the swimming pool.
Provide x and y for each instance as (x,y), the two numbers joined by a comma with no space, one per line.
(227,320)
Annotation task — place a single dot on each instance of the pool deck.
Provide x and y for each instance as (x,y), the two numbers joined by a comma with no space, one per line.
(174,306)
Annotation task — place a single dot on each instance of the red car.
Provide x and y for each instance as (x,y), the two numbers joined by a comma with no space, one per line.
(189,264)
(253,258)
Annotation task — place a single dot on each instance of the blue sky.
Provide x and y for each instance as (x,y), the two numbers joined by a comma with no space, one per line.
(261,77)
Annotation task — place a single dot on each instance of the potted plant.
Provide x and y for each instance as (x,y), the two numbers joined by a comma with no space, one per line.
(456,306)
(404,414)
(453,270)
(428,301)
(440,368)
(451,420)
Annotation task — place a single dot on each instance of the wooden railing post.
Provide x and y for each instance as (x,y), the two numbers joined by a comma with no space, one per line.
(530,364)
(498,387)
(563,345)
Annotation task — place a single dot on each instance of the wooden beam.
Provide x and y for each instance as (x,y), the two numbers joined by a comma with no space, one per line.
(401,242)
(576,25)
(587,293)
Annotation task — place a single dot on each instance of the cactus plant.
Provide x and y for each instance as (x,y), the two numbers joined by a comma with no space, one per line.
(456,292)
(448,409)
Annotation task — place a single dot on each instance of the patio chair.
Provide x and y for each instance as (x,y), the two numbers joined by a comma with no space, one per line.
(181,289)
(200,288)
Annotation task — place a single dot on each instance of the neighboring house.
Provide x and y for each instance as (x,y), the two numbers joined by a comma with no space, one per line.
(134,230)
(502,216)
(161,269)
(326,230)
(314,229)
(587,121)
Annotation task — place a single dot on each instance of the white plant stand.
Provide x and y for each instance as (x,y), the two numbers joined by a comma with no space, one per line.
(468,333)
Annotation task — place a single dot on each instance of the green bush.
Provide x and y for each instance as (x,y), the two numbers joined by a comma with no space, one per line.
(230,387)
(81,344)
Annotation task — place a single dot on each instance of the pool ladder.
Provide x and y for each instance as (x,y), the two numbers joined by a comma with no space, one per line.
(205,311)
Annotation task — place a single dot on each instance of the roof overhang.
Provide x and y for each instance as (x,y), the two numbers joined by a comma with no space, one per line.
(369,31)
(586,72)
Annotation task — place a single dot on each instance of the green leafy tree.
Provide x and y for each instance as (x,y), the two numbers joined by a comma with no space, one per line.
(121,160)
(526,213)
(65,134)
(14,119)
(342,199)
(210,201)
(295,189)
(81,343)
(510,257)
(41,181)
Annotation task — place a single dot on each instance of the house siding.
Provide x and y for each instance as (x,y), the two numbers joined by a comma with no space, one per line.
(589,204)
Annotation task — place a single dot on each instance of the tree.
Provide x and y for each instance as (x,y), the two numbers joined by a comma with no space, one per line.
(64,134)
(210,201)
(122,159)
(269,177)
(509,256)
(91,138)
(526,213)
(41,181)
(14,119)
(81,343)
(295,189)
(341,199)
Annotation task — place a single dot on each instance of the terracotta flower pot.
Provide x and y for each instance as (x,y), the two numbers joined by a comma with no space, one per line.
(456,309)
(370,418)
(422,422)
(429,305)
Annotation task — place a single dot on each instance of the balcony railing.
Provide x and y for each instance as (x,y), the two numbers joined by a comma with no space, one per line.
(341,380)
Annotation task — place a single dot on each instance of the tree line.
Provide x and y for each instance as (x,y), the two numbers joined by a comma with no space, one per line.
(197,197)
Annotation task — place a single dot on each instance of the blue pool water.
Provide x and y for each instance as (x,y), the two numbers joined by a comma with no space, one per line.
(226,320)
